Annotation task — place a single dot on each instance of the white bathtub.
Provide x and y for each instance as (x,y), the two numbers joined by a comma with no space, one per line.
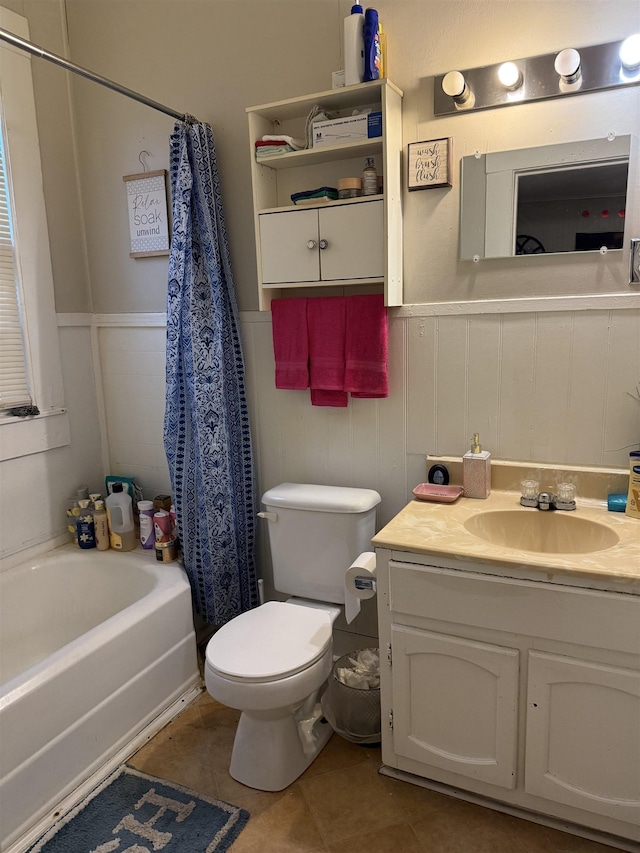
(94,646)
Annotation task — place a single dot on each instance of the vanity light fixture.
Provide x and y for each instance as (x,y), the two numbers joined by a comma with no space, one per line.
(567,66)
(564,73)
(630,53)
(510,75)
(455,87)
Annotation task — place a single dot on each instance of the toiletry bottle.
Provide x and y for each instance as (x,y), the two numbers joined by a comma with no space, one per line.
(370,178)
(354,46)
(476,471)
(122,532)
(72,518)
(371,46)
(147,534)
(86,530)
(101,526)
(633,498)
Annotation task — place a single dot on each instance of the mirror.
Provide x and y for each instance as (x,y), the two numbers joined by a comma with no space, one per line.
(569,197)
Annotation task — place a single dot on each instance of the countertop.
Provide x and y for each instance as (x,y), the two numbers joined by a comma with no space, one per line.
(437,529)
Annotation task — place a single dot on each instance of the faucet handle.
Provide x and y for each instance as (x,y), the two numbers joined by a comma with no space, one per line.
(529,493)
(566,496)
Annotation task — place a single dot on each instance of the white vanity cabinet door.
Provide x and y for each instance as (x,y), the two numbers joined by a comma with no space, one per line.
(456,705)
(340,243)
(583,735)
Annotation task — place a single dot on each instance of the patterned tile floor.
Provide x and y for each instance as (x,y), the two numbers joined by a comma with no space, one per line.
(340,804)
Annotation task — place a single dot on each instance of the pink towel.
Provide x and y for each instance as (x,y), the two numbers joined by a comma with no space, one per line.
(366,347)
(290,343)
(326,316)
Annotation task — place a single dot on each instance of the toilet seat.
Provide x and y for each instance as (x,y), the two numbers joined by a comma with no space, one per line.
(271,642)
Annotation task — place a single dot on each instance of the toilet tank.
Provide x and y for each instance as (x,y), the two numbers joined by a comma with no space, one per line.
(317,533)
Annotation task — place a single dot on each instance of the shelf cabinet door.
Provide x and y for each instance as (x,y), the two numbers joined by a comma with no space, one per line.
(286,256)
(456,704)
(354,234)
(583,735)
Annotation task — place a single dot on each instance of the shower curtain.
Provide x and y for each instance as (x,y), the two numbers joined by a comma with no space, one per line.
(206,425)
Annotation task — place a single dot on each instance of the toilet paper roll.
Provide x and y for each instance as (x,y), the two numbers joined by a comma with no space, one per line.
(359,583)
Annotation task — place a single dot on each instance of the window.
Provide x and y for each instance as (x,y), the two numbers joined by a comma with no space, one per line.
(14,385)
(28,262)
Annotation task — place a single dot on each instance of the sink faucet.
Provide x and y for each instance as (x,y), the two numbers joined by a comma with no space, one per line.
(547,500)
(564,500)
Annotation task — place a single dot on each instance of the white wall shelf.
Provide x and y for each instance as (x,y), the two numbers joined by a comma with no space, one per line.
(276,178)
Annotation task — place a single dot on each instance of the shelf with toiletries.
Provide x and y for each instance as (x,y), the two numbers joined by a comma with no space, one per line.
(366,242)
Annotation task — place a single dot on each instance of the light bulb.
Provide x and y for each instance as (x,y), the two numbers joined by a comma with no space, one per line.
(510,75)
(630,52)
(455,86)
(567,65)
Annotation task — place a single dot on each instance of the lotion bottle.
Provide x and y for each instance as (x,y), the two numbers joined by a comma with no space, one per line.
(476,471)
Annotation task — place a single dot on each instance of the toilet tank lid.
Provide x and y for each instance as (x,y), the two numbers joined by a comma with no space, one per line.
(321,498)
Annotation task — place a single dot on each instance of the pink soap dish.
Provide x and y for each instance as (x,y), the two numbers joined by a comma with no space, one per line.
(440,494)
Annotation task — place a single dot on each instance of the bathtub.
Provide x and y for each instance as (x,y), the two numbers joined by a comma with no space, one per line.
(94,647)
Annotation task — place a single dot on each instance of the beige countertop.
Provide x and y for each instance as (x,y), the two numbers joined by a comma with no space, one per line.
(438,529)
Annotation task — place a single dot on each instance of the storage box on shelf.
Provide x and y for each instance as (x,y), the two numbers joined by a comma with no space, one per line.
(340,243)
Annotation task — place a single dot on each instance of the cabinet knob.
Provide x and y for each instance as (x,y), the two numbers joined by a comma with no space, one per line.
(324,244)
(311,244)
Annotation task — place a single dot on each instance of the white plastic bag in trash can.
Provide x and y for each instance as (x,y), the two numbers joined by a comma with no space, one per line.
(351,702)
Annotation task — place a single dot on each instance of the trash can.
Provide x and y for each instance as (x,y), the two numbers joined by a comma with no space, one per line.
(351,701)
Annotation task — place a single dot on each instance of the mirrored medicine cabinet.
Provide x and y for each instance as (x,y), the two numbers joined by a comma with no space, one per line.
(569,197)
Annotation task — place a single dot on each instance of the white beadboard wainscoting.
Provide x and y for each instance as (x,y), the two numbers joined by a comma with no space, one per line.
(556,382)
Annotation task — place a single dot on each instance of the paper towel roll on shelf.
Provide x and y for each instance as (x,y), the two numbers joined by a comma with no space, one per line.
(359,583)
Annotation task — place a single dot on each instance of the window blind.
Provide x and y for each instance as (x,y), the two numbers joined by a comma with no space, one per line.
(14,385)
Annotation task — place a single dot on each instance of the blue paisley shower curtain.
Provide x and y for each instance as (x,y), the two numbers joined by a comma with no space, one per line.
(206,425)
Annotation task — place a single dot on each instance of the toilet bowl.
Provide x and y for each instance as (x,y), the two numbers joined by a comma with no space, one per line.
(271,663)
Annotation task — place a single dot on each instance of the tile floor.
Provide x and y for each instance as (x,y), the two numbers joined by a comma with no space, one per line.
(340,804)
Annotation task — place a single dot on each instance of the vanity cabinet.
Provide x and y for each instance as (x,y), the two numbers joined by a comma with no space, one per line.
(518,690)
(341,243)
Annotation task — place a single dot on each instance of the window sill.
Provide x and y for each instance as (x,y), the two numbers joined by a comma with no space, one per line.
(25,436)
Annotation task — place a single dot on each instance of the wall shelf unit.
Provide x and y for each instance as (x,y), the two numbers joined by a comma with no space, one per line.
(341,243)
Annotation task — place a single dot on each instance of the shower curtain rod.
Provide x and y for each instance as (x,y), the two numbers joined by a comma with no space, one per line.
(40,52)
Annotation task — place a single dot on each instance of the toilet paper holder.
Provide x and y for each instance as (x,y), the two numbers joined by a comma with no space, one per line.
(364,583)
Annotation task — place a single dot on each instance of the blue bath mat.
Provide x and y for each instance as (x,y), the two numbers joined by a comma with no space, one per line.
(133,811)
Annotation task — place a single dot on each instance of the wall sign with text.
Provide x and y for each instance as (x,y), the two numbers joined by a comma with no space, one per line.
(148,220)
(430,164)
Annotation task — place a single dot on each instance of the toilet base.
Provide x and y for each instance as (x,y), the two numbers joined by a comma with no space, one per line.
(271,750)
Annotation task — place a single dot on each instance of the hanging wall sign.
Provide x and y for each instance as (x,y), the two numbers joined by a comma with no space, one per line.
(430,164)
(148,222)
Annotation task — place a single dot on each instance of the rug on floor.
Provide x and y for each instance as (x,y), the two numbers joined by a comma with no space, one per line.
(131,811)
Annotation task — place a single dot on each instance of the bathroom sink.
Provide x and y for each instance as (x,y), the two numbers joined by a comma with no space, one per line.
(549,532)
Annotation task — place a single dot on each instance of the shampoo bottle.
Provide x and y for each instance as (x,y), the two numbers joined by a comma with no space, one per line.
(101,525)
(476,471)
(85,526)
(354,46)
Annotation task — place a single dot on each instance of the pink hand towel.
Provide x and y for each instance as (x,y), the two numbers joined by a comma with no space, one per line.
(326,317)
(366,347)
(290,343)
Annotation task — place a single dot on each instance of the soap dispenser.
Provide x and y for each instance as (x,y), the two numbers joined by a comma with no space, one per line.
(476,471)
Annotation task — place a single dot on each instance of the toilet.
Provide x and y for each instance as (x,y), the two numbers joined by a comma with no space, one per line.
(272,662)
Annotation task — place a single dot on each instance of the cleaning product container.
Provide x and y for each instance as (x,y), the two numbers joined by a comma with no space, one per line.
(351,702)
(122,532)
